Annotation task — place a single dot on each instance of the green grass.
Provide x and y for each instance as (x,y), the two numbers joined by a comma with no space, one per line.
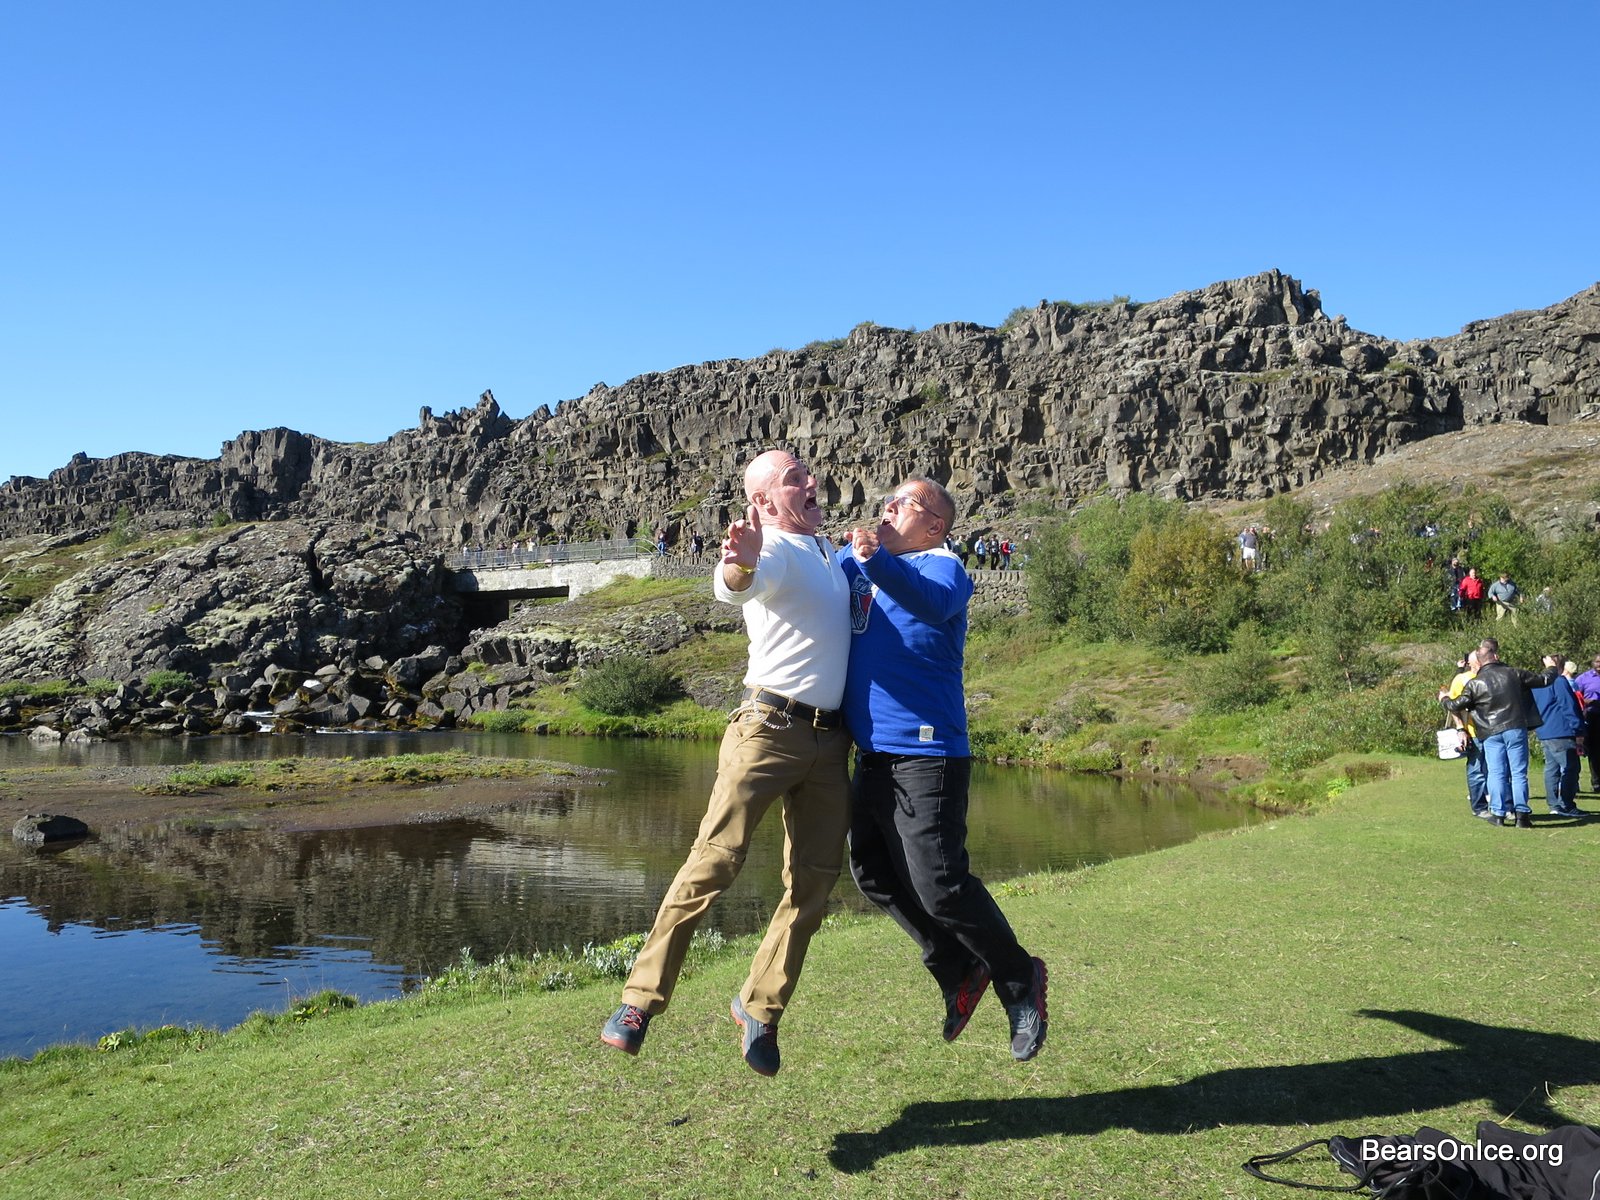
(553,710)
(1380,965)
(289,774)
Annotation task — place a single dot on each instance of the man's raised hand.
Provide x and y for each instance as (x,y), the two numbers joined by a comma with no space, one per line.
(742,546)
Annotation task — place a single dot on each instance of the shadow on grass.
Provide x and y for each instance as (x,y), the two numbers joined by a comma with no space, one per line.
(1511,1069)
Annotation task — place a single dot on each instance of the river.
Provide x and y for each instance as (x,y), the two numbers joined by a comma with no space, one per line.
(195,924)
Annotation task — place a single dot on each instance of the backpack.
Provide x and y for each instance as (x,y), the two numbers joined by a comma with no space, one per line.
(1501,1164)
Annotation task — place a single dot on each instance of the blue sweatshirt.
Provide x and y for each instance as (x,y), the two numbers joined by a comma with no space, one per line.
(1559,708)
(908,621)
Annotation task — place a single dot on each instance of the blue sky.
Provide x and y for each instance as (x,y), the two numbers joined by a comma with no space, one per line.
(325,215)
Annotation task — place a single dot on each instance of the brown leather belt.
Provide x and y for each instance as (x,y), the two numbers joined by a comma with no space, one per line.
(817,718)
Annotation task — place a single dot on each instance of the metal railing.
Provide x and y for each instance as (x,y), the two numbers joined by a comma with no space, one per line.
(490,558)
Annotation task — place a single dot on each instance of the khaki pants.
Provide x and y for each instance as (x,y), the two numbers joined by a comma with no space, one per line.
(765,756)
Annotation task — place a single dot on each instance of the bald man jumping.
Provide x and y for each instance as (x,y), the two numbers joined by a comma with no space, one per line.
(786,742)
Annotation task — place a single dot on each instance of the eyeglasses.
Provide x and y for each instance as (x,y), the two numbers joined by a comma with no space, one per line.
(896,500)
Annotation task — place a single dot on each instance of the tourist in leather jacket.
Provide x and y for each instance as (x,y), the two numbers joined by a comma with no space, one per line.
(1498,696)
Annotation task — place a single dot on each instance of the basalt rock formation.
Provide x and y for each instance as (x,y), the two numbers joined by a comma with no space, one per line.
(1241,389)
(288,594)
(322,600)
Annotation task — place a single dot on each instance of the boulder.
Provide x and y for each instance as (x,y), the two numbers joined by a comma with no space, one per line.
(39,829)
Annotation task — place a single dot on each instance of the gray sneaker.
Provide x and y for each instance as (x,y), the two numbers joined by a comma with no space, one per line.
(1030,1016)
(626,1029)
(760,1040)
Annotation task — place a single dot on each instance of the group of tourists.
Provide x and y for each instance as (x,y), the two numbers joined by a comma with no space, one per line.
(516,553)
(1468,591)
(864,644)
(987,552)
(1494,706)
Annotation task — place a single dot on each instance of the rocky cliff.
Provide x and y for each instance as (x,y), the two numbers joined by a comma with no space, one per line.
(1238,390)
(250,612)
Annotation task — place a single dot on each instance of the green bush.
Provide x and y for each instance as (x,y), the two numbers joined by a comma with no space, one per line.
(121,534)
(222,775)
(1398,717)
(1335,632)
(169,681)
(503,720)
(1241,678)
(628,685)
(50,691)
(1078,569)
(614,959)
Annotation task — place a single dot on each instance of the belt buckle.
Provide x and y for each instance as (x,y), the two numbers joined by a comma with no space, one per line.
(816,720)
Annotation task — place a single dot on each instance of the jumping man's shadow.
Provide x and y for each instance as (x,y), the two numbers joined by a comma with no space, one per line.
(1509,1068)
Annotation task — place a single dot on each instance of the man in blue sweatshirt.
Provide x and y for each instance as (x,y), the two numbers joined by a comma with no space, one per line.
(905,707)
(1559,731)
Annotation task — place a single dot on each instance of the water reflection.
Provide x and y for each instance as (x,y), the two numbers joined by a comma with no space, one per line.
(204,924)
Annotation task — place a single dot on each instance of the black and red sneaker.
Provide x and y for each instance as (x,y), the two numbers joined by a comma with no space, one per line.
(961,1001)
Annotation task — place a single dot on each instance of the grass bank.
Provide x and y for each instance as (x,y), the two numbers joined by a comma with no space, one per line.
(296,774)
(1385,963)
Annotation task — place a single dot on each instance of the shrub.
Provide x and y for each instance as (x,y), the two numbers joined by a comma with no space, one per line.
(614,959)
(558,981)
(1398,717)
(1241,678)
(222,775)
(169,681)
(1334,634)
(1179,586)
(1077,569)
(628,685)
(121,534)
(503,720)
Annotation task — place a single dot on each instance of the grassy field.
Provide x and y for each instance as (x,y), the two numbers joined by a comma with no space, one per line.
(1384,963)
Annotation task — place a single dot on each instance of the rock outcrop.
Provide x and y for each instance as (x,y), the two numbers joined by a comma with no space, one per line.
(292,594)
(1241,389)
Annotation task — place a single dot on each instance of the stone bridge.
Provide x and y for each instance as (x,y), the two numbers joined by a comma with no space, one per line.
(491,581)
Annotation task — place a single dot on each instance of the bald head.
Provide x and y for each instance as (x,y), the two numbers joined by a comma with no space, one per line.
(763,469)
(783,491)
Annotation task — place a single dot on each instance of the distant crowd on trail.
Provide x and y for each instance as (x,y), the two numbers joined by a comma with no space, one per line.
(514,553)
(1464,589)
(1465,592)
(996,552)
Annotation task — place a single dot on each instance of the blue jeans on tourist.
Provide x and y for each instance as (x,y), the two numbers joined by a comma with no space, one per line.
(1477,778)
(1505,755)
(1560,773)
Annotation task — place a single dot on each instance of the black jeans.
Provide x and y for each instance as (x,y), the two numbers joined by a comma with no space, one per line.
(908,854)
(1591,743)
